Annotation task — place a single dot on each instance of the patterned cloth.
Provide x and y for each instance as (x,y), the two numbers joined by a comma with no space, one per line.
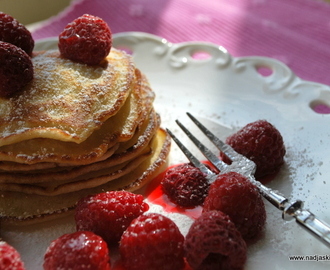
(296,32)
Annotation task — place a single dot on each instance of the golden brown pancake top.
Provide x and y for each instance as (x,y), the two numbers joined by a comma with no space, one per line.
(66,100)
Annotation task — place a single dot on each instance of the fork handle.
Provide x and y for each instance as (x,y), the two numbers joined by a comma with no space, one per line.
(304,218)
(317,227)
(308,221)
(273,197)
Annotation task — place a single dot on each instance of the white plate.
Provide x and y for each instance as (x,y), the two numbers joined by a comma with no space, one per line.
(228,93)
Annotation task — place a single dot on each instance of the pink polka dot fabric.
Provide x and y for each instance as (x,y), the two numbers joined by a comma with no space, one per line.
(296,32)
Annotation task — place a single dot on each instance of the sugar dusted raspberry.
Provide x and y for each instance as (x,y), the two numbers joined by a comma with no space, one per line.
(88,39)
(16,69)
(154,242)
(213,242)
(237,197)
(108,214)
(185,185)
(79,250)
(13,32)
(261,142)
(10,258)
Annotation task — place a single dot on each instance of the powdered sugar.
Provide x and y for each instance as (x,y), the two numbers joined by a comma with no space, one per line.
(53,102)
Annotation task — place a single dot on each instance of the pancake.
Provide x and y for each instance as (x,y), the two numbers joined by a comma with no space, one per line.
(66,100)
(77,130)
(30,208)
(120,127)
(89,180)
(126,153)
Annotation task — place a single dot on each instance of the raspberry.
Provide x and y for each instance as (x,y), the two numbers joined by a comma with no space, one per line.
(108,214)
(11,31)
(78,250)
(16,69)
(185,185)
(237,197)
(9,257)
(152,242)
(87,40)
(261,142)
(213,242)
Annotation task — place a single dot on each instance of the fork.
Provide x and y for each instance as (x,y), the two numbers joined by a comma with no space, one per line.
(241,164)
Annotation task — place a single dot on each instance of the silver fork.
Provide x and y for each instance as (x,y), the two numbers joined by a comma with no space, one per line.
(240,164)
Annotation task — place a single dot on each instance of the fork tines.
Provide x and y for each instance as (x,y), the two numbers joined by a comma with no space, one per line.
(225,148)
(214,159)
(190,156)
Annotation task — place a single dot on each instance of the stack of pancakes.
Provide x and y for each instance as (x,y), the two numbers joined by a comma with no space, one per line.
(77,130)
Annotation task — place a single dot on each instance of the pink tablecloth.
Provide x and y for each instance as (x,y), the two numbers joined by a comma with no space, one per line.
(297,32)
